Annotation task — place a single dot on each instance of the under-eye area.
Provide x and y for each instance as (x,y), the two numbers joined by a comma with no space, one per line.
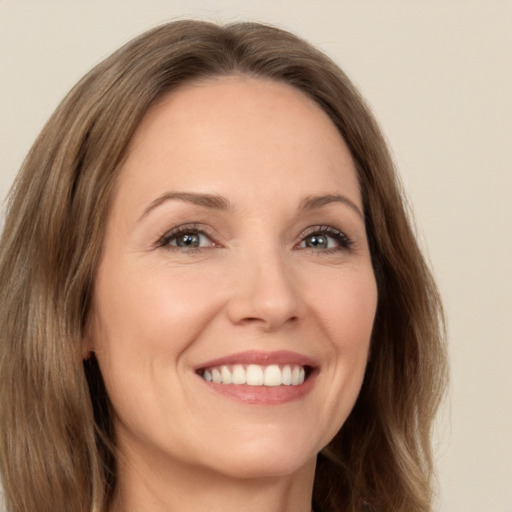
(257,375)
(317,238)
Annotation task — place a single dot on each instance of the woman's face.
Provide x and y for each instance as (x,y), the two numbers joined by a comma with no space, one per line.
(235,296)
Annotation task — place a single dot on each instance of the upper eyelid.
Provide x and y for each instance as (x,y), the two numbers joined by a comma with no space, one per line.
(345,241)
(184,228)
(216,239)
(324,228)
(321,227)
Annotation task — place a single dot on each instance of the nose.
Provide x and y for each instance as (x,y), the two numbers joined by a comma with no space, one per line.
(264,292)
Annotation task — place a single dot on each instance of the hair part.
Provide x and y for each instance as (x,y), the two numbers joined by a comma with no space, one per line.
(57,445)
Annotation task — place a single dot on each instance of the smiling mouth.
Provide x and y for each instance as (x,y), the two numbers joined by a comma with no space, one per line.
(272,375)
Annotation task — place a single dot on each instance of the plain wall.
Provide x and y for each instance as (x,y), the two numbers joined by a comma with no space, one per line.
(438,74)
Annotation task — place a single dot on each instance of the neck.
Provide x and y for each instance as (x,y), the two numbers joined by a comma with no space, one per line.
(153,488)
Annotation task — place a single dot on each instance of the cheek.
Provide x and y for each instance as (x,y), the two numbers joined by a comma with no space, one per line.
(346,306)
(345,310)
(153,310)
(144,320)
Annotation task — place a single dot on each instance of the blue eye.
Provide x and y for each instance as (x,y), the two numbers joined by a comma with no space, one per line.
(325,238)
(186,238)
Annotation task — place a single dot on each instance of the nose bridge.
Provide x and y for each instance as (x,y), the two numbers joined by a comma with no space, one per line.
(265,291)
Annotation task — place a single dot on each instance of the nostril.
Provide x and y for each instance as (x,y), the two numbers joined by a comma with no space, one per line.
(268,323)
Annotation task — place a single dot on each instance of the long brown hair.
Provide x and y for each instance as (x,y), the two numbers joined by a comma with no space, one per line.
(56,444)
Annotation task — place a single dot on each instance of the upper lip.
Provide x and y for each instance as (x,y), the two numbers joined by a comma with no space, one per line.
(262,358)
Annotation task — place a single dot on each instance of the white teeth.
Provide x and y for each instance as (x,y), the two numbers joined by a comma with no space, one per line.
(295,376)
(272,376)
(256,375)
(286,375)
(225,374)
(239,376)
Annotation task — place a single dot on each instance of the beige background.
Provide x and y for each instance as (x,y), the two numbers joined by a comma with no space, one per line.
(439,76)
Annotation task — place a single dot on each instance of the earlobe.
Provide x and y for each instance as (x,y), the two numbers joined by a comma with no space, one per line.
(87,355)
(87,350)
(87,342)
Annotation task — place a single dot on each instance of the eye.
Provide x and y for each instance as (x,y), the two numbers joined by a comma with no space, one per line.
(325,238)
(186,238)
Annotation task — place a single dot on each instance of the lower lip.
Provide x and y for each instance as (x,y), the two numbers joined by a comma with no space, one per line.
(263,395)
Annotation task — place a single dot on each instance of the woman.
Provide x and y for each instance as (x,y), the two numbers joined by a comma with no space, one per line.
(211,293)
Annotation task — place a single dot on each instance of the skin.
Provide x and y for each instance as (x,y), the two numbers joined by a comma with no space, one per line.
(160,311)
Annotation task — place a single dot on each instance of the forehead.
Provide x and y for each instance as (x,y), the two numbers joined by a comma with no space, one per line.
(237,136)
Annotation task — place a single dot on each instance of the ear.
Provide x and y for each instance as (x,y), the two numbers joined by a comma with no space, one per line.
(86,349)
(88,344)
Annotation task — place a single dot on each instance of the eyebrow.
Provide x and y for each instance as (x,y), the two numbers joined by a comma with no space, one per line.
(217,202)
(214,202)
(312,202)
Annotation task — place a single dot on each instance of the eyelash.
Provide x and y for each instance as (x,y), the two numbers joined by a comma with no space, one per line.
(166,238)
(345,243)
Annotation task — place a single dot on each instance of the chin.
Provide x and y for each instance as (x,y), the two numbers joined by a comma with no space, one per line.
(265,458)
(262,467)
